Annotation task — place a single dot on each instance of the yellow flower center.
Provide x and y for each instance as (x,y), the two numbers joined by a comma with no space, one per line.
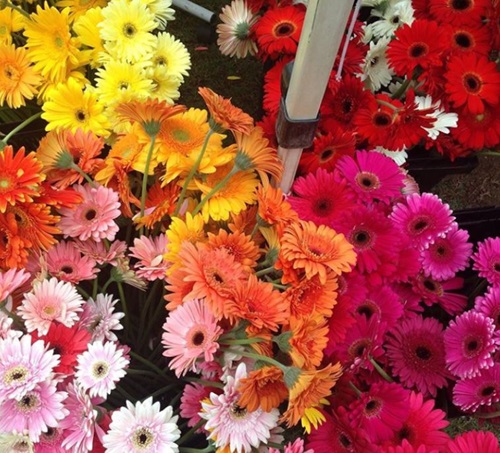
(142,438)
(59,42)
(10,72)
(5,183)
(49,310)
(161,61)
(16,374)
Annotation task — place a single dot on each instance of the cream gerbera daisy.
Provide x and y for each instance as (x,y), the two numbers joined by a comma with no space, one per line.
(162,11)
(50,45)
(87,30)
(376,70)
(171,55)
(79,7)
(71,107)
(165,87)
(10,22)
(126,30)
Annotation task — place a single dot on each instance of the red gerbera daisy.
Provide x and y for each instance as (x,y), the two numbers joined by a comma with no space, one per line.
(459,11)
(272,86)
(278,31)
(466,38)
(472,81)
(477,131)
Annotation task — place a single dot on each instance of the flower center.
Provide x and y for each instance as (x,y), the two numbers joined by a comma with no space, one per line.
(367,180)
(181,135)
(463,39)
(5,183)
(15,375)
(284,29)
(472,346)
(129,30)
(423,353)
(382,119)
(49,310)
(67,269)
(372,408)
(460,5)
(487,391)
(323,207)
(347,105)
(325,155)
(419,224)
(361,239)
(345,441)
(368,308)
(418,50)
(472,83)
(237,411)
(91,214)
(100,370)
(80,116)
(28,402)
(142,438)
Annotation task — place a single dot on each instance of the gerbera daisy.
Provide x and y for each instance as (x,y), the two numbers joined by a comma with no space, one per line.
(49,301)
(77,9)
(18,79)
(381,302)
(94,217)
(487,260)
(419,45)
(86,29)
(70,107)
(489,305)
(100,318)
(443,120)
(100,367)
(50,441)
(423,218)
(191,332)
(278,30)
(469,344)
(23,365)
(447,255)
(458,12)
(389,19)
(13,250)
(272,87)
(20,176)
(469,38)
(164,87)
(11,21)
(309,337)
(65,262)
(223,114)
(100,252)
(49,42)
(376,71)
(126,29)
(171,56)
(372,176)
(233,427)
(415,349)
(192,396)
(11,280)
(480,390)
(35,412)
(234,31)
(296,447)
(473,442)
(80,424)
(149,251)
(142,427)
(264,388)
(472,81)
(319,198)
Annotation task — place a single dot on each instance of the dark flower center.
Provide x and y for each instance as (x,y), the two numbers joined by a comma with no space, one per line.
(421,225)
(67,269)
(362,237)
(472,345)
(91,214)
(238,411)
(217,278)
(323,207)
(366,309)
(460,5)
(423,353)
(463,39)
(382,119)
(142,438)
(441,251)
(488,391)
(325,155)
(372,407)
(284,29)
(472,83)
(347,105)
(496,267)
(404,433)
(198,338)
(80,115)
(430,285)
(345,441)
(418,50)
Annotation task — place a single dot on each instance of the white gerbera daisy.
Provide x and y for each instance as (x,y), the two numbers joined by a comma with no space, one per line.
(398,156)
(444,120)
(393,16)
(100,319)
(376,70)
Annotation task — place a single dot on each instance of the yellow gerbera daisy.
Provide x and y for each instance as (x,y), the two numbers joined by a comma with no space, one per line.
(70,107)
(86,28)
(50,45)
(77,8)
(165,87)
(126,30)
(232,198)
(18,80)
(162,11)
(10,22)
(171,55)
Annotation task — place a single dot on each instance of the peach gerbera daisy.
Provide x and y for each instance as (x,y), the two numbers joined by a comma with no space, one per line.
(309,339)
(316,250)
(20,177)
(160,203)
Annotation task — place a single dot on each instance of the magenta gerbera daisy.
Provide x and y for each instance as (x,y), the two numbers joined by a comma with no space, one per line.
(23,365)
(191,332)
(416,352)
(481,390)
(423,218)
(487,260)
(94,217)
(474,442)
(373,176)
(149,253)
(11,280)
(489,305)
(50,300)
(100,368)
(192,396)
(382,303)
(34,412)
(65,262)
(469,344)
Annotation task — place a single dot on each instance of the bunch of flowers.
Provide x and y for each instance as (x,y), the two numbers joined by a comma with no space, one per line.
(76,61)
(414,74)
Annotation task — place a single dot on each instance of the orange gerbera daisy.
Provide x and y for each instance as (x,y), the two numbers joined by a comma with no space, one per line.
(160,203)
(311,387)
(13,250)
(224,115)
(245,222)
(20,176)
(84,148)
(309,339)
(59,198)
(178,288)
(310,297)
(254,152)
(258,303)
(316,250)
(238,244)
(264,388)
(214,274)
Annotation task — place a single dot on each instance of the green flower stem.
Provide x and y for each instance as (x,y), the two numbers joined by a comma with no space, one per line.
(402,89)
(190,433)
(274,445)
(487,415)
(207,449)
(144,189)
(105,287)
(82,173)
(144,312)
(215,189)
(95,287)
(19,10)
(148,364)
(164,390)
(265,271)
(380,370)
(356,390)
(83,292)
(123,300)
(255,229)
(230,342)
(27,121)
(192,172)
(263,358)
(489,153)
(126,395)
(204,382)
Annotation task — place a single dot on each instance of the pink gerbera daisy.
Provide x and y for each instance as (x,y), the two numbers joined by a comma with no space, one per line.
(424,218)
(65,262)
(6,330)
(50,300)
(11,280)
(23,365)
(100,368)
(34,412)
(80,424)
(474,442)
(143,428)
(232,427)
(487,260)
(372,176)
(149,251)
(480,390)
(469,344)
(447,255)
(100,252)
(489,305)
(296,447)
(100,319)
(415,349)
(381,411)
(50,441)
(192,396)
(191,332)
(381,302)
(319,198)
(94,217)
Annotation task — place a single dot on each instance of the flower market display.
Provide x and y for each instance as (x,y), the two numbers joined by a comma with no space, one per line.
(160,293)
